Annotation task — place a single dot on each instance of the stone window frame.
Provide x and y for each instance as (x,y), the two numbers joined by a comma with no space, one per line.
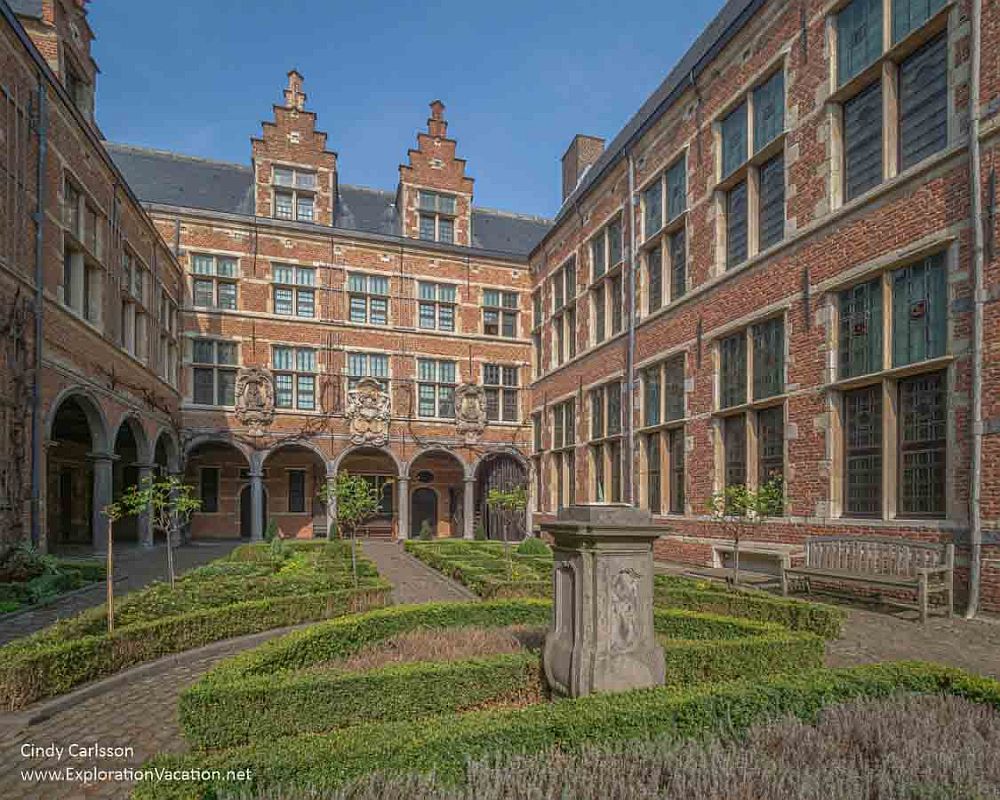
(134,291)
(884,70)
(605,443)
(565,289)
(437,304)
(443,389)
(371,357)
(753,406)
(438,214)
(216,278)
(84,246)
(746,173)
(661,434)
(298,289)
(537,459)
(562,455)
(298,374)
(887,379)
(295,191)
(217,471)
(658,250)
(503,390)
(169,315)
(507,312)
(601,251)
(305,510)
(372,292)
(217,367)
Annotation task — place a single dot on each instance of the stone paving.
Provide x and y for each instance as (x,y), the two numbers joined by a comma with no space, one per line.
(138,708)
(135,567)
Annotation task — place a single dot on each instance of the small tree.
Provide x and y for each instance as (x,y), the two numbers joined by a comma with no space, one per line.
(169,503)
(511,505)
(357,501)
(736,509)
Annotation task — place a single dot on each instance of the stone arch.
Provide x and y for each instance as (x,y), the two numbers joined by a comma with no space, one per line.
(467,469)
(339,459)
(97,421)
(502,469)
(142,442)
(218,438)
(305,444)
(166,438)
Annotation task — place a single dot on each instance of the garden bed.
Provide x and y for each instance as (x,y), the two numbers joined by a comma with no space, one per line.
(276,690)
(255,588)
(29,578)
(484,568)
(443,744)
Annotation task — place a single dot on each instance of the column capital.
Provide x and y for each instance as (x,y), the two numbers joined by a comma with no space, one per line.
(102,457)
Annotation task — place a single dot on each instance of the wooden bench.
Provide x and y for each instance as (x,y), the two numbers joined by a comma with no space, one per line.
(885,563)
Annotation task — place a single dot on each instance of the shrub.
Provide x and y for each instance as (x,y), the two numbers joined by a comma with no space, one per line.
(443,745)
(57,576)
(271,531)
(425,531)
(259,695)
(251,591)
(533,546)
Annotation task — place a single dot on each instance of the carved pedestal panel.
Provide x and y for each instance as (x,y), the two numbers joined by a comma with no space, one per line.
(602,637)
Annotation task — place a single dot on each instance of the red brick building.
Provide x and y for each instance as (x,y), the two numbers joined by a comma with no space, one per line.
(770,274)
(775,271)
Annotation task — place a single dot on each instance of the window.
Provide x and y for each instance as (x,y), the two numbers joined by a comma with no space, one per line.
(367,365)
(500,313)
(770,444)
(651,403)
(734,140)
(437,216)
(677,189)
(653,476)
(675,440)
(435,388)
(606,248)
(673,371)
(617,300)
(652,204)
(500,383)
(922,445)
(563,452)
(654,272)
(605,435)
(296,491)
(768,111)
(768,358)
(213,372)
(208,490)
(905,102)
(863,452)
(294,377)
(536,309)
(737,245)
(733,371)
(214,282)
(599,314)
(368,298)
(294,294)
(597,413)
(734,443)
(667,444)
(860,344)
(437,306)
(771,220)
(614,416)
(383,485)
(295,198)
(919,311)
(674,180)
(536,430)
(678,265)
(564,289)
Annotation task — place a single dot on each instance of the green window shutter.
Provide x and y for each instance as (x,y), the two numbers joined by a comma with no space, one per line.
(768,110)
(919,311)
(908,15)
(923,102)
(859,37)
(860,346)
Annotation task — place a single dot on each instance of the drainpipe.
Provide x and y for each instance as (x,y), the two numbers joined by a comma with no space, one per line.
(976,523)
(36,390)
(630,352)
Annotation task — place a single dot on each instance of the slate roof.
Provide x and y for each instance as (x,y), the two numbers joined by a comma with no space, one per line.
(165,178)
(720,30)
(26,8)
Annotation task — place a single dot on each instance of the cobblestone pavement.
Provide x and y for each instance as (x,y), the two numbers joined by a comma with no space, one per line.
(412,580)
(137,566)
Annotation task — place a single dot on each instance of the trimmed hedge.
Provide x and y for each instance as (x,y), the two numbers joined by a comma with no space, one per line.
(482,567)
(218,601)
(444,744)
(60,576)
(258,695)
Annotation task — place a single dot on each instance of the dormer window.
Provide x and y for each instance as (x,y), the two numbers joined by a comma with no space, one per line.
(437,216)
(294,199)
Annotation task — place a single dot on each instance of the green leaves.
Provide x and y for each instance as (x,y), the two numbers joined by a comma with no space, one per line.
(167,499)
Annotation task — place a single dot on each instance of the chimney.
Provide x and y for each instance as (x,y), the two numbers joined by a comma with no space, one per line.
(582,152)
(436,125)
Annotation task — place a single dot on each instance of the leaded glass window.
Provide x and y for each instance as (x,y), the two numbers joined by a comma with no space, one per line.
(676,446)
(653,472)
(923,438)
(734,140)
(734,445)
(863,452)
(768,110)
(863,141)
(768,358)
(597,413)
(908,15)
(678,265)
(674,387)
(919,311)
(859,37)
(923,102)
(435,388)
(733,371)
(599,314)
(771,221)
(654,269)
(614,395)
(736,225)
(652,202)
(770,444)
(860,345)
(651,395)
(677,189)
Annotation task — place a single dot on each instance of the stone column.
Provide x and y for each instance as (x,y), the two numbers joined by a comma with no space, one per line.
(103,486)
(403,517)
(144,523)
(256,505)
(469,509)
(331,502)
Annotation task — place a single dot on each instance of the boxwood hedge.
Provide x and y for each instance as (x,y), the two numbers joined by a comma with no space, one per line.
(483,567)
(260,695)
(443,744)
(273,588)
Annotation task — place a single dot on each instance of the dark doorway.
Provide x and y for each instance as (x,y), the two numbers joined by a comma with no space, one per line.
(423,506)
(65,505)
(501,472)
(245,507)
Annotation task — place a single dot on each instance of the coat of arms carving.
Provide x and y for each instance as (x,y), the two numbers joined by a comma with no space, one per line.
(255,398)
(470,411)
(368,412)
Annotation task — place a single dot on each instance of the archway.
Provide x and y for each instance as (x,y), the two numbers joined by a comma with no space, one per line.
(294,474)
(502,471)
(423,510)
(165,455)
(218,470)
(380,469)
(77,436)
(443,473)
(130,455)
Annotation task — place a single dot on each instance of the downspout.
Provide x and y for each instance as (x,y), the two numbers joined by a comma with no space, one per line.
(630,351)
(976,522)
(36,392)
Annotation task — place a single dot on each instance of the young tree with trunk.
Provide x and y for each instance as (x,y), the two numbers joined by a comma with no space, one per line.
(357,501)
(511,505)
(736,509)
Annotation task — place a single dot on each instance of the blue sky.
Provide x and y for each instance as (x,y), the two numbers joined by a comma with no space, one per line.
(518,78)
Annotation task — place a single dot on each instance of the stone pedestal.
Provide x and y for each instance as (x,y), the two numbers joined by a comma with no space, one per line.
(601,638)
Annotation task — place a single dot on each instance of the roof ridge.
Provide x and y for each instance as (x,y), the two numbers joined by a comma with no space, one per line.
(174,154)
(513,214)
